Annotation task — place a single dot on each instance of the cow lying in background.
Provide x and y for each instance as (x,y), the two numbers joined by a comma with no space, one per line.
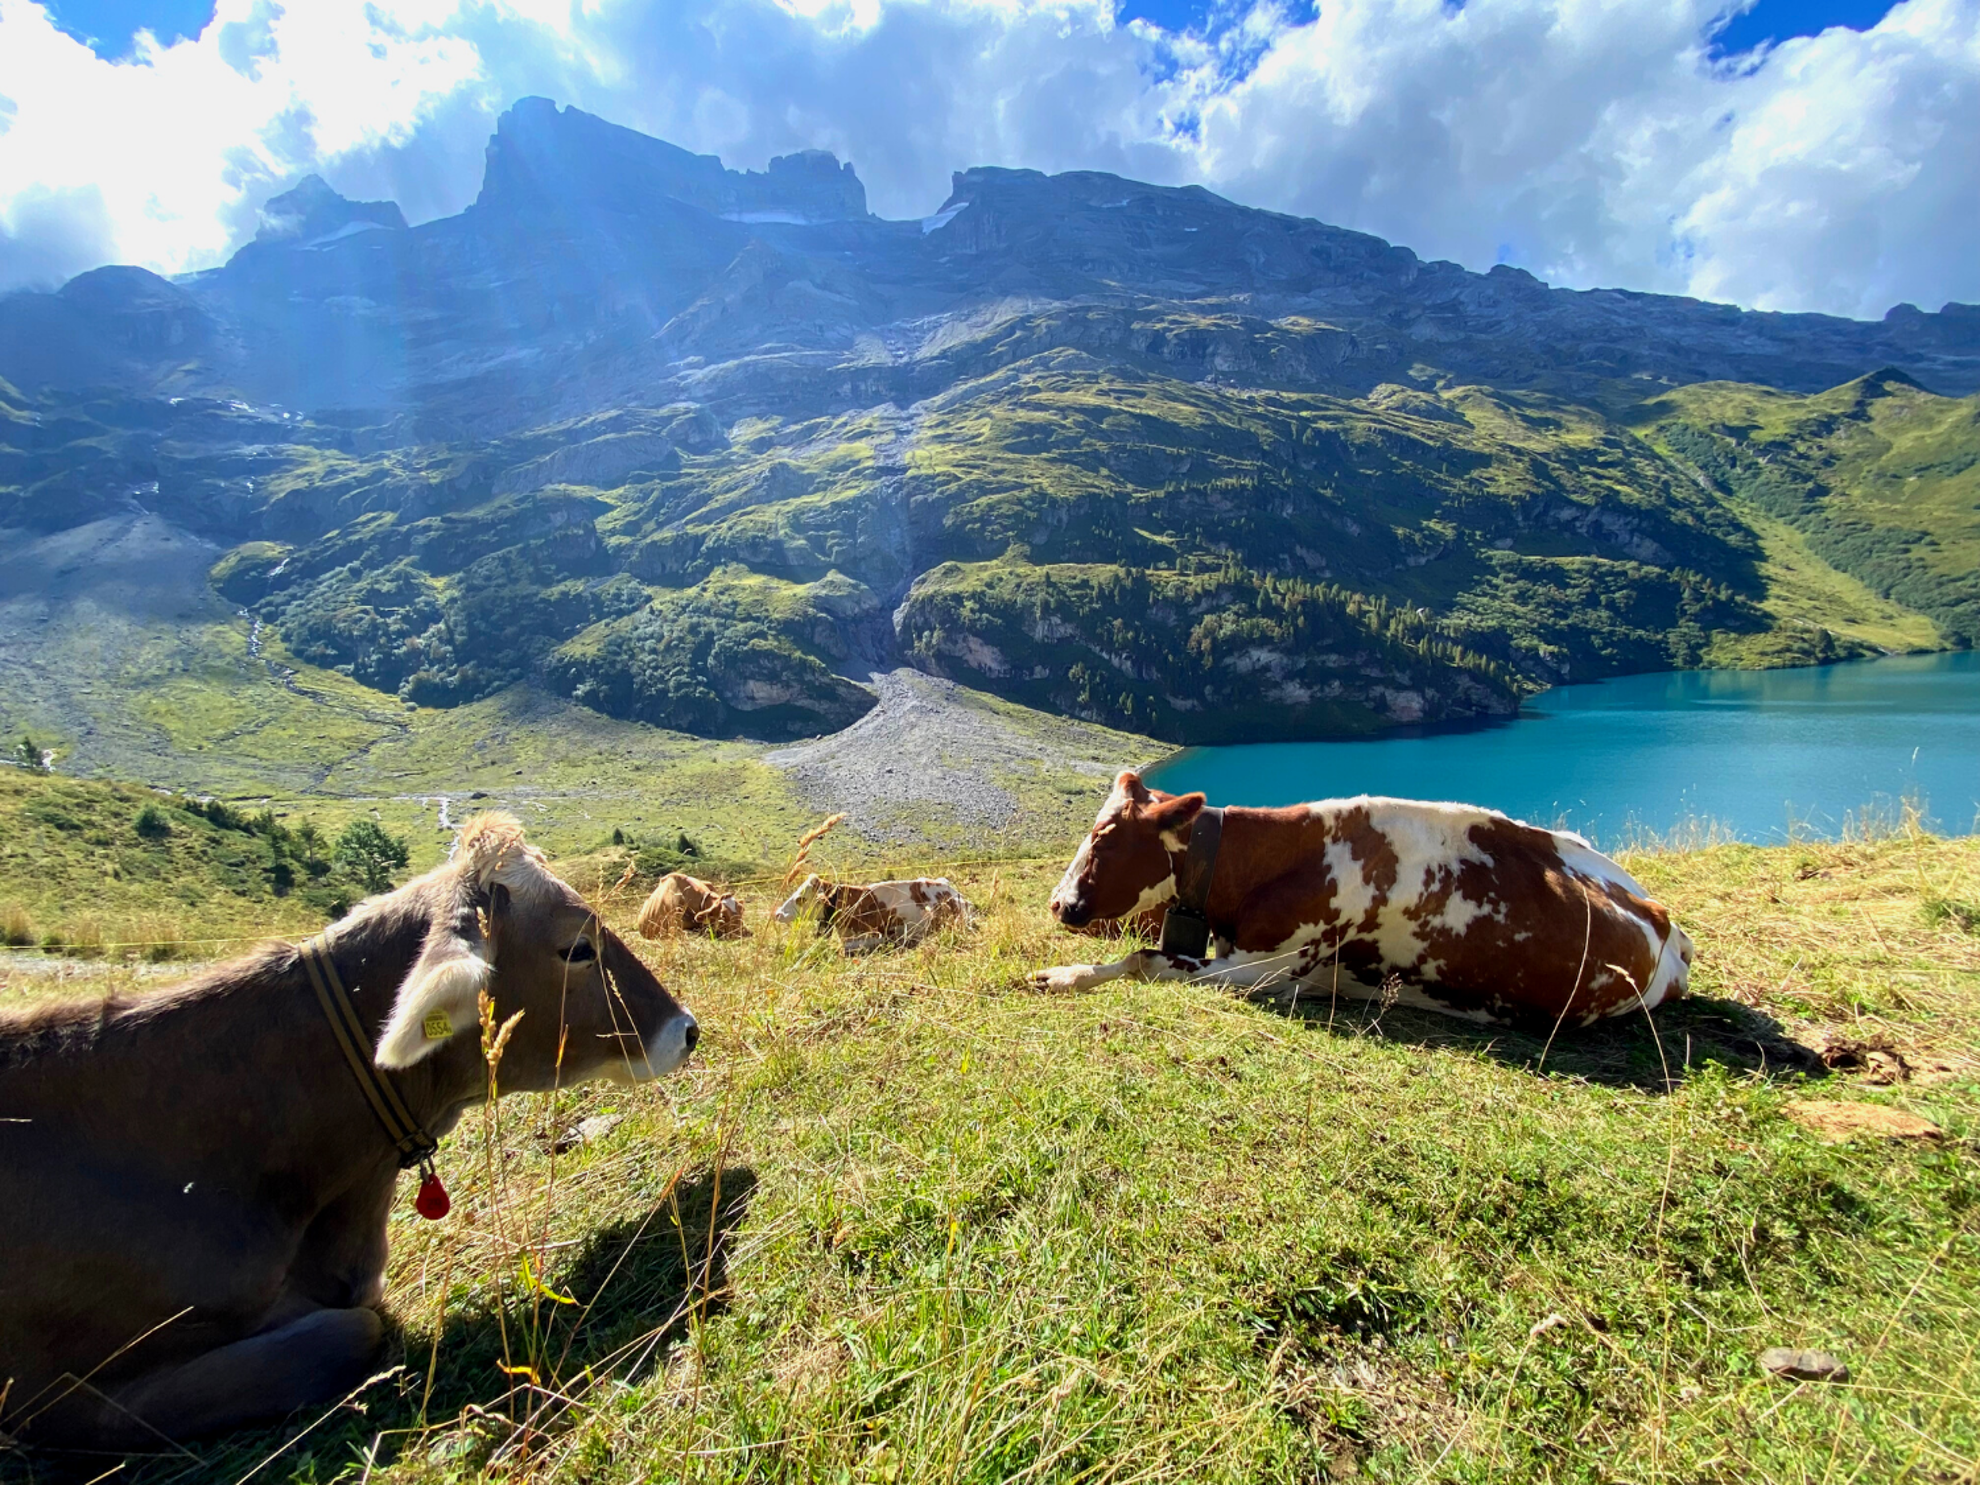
(195,1182)
(882,913)
(1475,914)
(685,904)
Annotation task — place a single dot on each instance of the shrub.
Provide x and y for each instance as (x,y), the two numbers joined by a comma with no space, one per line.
(369,856)
(16,928)
(220,813)
(151,823)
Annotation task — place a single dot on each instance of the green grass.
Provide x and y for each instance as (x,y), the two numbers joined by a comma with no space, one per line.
(77,873)
(965,1232)
(1806,594)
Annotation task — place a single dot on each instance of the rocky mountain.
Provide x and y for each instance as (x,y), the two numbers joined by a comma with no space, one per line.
(704,447)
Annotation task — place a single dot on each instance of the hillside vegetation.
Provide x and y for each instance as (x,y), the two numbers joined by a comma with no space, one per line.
(97,868)
(1185,559)
(902,1220)
(1881,478)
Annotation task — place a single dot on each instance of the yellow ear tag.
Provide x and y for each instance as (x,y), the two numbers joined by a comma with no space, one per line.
(437,1027)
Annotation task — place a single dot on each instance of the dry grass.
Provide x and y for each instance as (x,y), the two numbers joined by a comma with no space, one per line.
(1840,940)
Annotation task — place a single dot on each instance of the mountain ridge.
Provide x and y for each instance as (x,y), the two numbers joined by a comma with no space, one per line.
(587,239)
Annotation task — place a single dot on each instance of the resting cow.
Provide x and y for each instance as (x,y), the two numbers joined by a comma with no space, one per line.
(194,1183)
(685,904)
(1476,915)
(883,913)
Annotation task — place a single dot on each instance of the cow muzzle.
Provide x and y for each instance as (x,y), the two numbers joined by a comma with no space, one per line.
(665,1051)
(1070,911)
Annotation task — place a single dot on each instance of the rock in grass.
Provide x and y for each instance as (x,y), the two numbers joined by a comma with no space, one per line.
(1802,1366)
(1835,1121)
(587,1131)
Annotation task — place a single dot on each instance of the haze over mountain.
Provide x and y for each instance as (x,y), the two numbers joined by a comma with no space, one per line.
(704,447)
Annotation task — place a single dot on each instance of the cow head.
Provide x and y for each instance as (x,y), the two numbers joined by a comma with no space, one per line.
(813,893)
(723,918)
(500,921)
(1127,863)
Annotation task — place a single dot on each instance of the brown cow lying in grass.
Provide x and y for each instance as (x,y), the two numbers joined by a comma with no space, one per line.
(1453,908)
(881,913)
(685,904)
(194,1184)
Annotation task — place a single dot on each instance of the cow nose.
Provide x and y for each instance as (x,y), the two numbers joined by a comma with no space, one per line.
(1058,908)
(690,1036)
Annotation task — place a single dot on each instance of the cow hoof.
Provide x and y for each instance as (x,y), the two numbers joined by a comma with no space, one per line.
(1059,980)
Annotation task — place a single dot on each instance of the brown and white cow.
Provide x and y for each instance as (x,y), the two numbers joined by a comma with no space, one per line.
(194,1184)
(1476,914)
(685,904)
(881,913)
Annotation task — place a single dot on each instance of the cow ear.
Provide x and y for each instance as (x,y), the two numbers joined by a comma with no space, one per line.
(1174,814)
(441,995)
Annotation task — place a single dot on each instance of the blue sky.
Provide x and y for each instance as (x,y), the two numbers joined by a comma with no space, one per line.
(1587,141)
(1770,20)
(111,24)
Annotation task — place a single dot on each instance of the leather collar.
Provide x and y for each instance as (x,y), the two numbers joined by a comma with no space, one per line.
(408,1135)
(1186,924)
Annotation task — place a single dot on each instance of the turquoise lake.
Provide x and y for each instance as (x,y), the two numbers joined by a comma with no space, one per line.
(1761,753)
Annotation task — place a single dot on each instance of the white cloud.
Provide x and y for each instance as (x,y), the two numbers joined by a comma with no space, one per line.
(172,146)
(1592,141)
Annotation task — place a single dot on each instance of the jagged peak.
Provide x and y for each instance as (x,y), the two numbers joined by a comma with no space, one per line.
(542,154)
(313,209)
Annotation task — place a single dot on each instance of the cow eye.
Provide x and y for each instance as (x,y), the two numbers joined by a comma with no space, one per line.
(580,952)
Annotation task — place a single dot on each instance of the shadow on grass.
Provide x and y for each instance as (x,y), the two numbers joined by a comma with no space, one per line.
(639,1286)
(1687,1037)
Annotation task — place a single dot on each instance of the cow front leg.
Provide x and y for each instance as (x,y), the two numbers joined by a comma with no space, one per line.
(305,1363)
(1239,971)
(1067,977)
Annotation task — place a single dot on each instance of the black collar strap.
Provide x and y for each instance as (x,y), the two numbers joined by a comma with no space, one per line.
(408,1135)
(1186,925)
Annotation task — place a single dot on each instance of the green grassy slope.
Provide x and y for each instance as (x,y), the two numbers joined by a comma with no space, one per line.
(117,868)
(1880,477)
(962,1232)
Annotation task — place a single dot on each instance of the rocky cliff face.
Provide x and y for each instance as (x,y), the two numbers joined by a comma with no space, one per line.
(599,267)
(696,445)
(543,158)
